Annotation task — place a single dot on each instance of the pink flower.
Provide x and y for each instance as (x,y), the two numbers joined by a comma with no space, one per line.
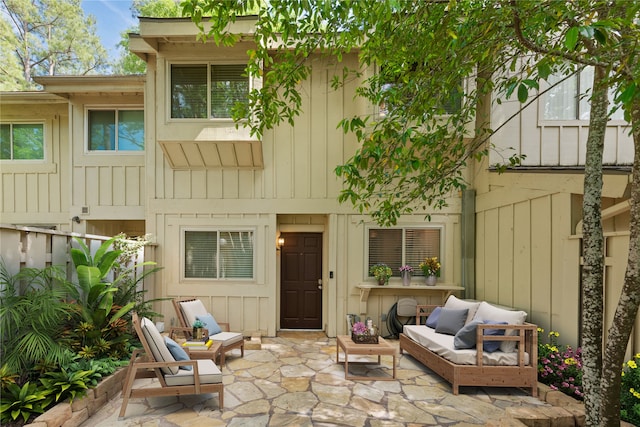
(359,328)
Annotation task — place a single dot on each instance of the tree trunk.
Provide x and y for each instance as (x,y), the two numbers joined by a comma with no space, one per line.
(593,251)
(627,308)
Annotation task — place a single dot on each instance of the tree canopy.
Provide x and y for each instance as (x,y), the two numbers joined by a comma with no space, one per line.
(47,37)
(412,157)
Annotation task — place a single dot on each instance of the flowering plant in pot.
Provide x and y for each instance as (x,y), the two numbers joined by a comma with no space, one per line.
(430,266)
(405,273)
(381,272)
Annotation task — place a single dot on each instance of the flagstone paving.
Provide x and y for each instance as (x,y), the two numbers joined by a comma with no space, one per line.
(294,380)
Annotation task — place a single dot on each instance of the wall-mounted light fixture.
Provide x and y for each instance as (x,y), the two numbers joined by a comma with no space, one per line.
(76,219)
(280,243)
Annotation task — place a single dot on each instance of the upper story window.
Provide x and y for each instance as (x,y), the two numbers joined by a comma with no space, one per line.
(200,91)
(115,130)
(569,100)
(447,103)
(399,246)
(219,254)
(21,141)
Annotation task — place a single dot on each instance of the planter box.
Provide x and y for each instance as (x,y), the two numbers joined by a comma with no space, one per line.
(73,414)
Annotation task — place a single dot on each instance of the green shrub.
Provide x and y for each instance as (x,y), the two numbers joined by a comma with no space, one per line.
(23,401)
(66,384)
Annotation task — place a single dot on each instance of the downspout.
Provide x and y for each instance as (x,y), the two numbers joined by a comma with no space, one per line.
(468,232)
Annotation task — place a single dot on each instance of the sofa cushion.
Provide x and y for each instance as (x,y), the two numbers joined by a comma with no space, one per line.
(466,336)
(451,320)
(457,303)
(177,352)
(488,312)
(432,319)
(209,323)
(491,346)
(159,349)
(442,345)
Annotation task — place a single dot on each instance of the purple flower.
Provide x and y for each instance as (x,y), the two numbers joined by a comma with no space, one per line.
(359,328)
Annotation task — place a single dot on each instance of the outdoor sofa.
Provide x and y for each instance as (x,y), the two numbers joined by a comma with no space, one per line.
(474,343)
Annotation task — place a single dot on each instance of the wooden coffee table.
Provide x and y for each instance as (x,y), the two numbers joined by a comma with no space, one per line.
(383,348)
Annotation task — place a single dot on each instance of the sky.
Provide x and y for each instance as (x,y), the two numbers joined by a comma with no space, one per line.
(112,18)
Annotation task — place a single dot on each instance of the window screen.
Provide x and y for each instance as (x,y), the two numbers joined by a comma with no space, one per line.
(189,91)
(399,246)
(21,141)
(219,254)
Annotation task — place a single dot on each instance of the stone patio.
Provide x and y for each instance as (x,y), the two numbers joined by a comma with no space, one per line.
(294,381)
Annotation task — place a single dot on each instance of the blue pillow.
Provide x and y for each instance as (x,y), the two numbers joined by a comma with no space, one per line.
(210,323)
(432,319)
(466,336)
(451,320)
(491,346)
(177,352)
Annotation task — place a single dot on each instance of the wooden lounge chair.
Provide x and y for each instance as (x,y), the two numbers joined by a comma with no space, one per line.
(155,360)
(190,309)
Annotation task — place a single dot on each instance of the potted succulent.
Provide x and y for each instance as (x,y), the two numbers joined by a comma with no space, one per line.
(198,326)
(381,272)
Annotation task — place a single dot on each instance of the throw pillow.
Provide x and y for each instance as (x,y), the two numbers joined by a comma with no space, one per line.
(466,336)
(491,346)
(432,319)
(210,323)
(457,303)
(451,321)
(487,311)
(177,352)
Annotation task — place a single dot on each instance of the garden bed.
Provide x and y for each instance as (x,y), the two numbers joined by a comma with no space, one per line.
(73,414)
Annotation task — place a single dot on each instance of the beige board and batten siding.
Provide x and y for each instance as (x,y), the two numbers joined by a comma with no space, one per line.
(110,185)
(37,191)
(297,177)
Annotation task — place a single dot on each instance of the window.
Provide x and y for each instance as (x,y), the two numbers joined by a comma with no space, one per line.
(218,254)
(399,246)
(569,100)
(116,130)
(447,103)
(21,141)
(199,91)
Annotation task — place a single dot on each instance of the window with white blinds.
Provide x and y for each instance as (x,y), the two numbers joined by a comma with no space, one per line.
(219,254)
(207,90)
(401,246)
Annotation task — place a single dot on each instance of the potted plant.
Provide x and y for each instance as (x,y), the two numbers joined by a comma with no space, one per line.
(405,273)
(381,272)
(197,329)
(431,269)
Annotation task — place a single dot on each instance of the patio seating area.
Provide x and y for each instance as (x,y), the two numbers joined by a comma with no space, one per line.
(295,380)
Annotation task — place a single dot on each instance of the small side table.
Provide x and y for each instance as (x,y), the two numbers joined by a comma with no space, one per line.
(347,345)
(212,353)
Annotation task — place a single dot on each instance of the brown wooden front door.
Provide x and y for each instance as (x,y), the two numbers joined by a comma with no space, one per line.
(300,281)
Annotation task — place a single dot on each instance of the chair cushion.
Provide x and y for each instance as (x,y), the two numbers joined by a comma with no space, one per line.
(488,312)
(177,352)
(457,303)
(209,323)
(159,349)
(192,309)
(209,374)
(451,320)
(227,338)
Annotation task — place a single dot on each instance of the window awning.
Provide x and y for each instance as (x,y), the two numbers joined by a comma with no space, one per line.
(238,154)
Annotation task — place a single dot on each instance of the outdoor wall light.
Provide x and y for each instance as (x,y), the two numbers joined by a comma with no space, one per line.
(280,243)
(76,219)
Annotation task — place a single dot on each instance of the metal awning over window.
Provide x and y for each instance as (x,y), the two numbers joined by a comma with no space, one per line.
(210,154)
